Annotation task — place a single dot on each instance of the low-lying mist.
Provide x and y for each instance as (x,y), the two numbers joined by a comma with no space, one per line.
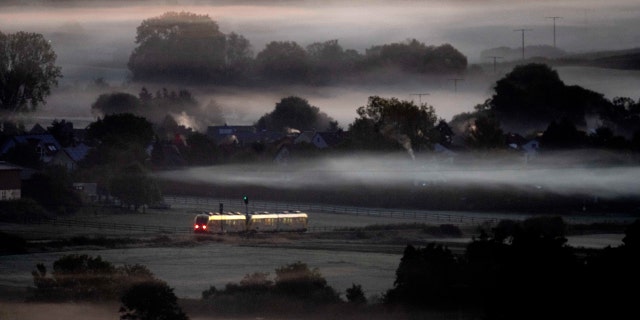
(95,41)
(590,173)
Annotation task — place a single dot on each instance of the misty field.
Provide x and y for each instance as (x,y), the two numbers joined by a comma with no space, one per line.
(191,263)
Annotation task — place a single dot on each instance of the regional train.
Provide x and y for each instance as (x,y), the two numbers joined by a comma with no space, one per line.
(236,222)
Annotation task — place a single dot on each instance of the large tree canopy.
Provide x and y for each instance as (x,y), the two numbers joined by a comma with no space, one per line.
(416,57)
(178,44)
(284,61)
(392,123)
(532,95)
(296,113)
(119,130)
(27,71)
(116,102)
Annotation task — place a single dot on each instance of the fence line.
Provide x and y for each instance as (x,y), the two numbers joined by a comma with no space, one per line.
(138,227)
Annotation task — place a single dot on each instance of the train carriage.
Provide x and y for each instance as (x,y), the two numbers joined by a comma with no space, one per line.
(258,222)
(278,222)
(226,223)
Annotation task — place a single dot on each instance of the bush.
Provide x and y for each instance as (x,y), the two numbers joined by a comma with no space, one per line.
(22,210)
(84,278)
(150,300)
(296,289)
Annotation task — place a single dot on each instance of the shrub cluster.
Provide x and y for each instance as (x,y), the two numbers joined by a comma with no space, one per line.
(295,289)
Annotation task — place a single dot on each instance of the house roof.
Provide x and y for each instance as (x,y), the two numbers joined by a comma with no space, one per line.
(305,136)
(78,152)
(37,129)
(330,138)
(47,141)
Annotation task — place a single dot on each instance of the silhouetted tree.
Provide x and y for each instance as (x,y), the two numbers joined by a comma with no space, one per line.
(151,300)
(297,280)
(119,130)
(27,71)
(329,62)
(114,103)
(391,123)
(134,187)
(355,294)
(296,113)
(53,189)
(485,133)
(239,57)
(532,95)
(201,150)
(178,45)
(444,133)
(62,131)
(415,57)
(604,137)
(426,277)
(283,61)
(562,135)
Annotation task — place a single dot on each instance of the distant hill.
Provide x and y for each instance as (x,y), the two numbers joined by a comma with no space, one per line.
(628,59)
(530,52)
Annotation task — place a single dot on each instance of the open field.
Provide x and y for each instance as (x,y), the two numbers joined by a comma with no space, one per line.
(346,253)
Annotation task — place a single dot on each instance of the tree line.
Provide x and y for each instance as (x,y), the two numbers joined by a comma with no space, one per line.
(183,46)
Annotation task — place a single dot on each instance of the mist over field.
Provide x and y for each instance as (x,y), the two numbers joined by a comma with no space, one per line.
(95,40)
(603,175)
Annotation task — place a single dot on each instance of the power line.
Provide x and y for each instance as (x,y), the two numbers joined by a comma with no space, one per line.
(523,31)
(494,62)
(455,83)
(419,96)
(554,28)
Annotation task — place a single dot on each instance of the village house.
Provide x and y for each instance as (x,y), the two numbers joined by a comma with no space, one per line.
(10,182)
(45,145)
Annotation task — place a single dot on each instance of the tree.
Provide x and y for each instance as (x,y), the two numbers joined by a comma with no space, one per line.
(53,189)
(133,186)
(622,116)
(414,56)
(532,95)
(62,131)
(296,279)
(239,57)
(201,151)
(355,294)
(562,135)
(120,130)
(425,276)
(27,71)
(444,58)
(485,133)
(180,45)
(295,112)
(114,103)
(151,300)
(283,61)
(391,123)
(444,133)
(328,61)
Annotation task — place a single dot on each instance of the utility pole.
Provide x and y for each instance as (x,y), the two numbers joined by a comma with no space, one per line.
(455,83)
(419,96)
(554,28)
(494,62)
(523,31)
